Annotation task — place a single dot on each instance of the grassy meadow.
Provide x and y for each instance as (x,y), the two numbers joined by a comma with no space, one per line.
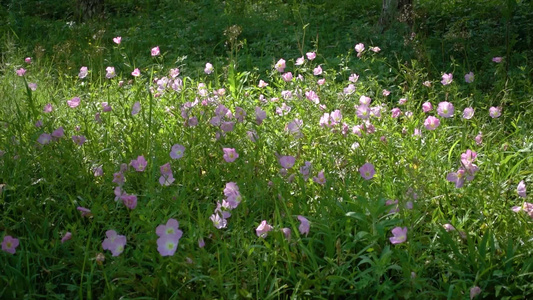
(266,150)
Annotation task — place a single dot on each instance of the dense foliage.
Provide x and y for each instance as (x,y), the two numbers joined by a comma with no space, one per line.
(266,149)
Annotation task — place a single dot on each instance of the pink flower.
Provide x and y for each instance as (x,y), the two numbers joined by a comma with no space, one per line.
(350,89)
(119,178)
(32,86)
(367,171)
(260,115)
(155,51)
(167,245)
(117,40)
(431,123)
(230,155)
(299,61)
(170,229)
(263,229)
(317,71)
(130,201)
(44,138)
(312,96)
(74,102)
(497,59)
(321,81)
(445,109)
(114,242)
(305,170)
(79,139)
(110,72)
(177,151)
(287,161)
(427,106)
(48,108)
(353,78)
(469,77)
(166,180)
(304,225)
(447,79)
(10,244)
(58,133)
(479,138)
(27,60)
(427,83)
(139,164)
(364,100)
(106,107)
(521,189)
(386,93)
(83,72)
(402,101)
(136,73)
(85,212)
(495,112)
(218,221)
(396,112)
(458,177)
(136,108)
(320,178)
(468,113)
(208,68)
(165,169)
(448,227)
(400,235)
(360,47)
(201,243)
(98,171)
(280,65)
(311,55)
(375,49)
(262,84)
(21,72)
(66,237)
(474,292)
(287,77)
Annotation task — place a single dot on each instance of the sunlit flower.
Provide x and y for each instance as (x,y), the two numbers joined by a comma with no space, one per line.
(311,55)
(445,109)
(74,102)
(155,51)
(431,123)
(117,40)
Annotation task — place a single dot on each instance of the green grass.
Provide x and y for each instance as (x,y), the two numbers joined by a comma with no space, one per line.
(347,252)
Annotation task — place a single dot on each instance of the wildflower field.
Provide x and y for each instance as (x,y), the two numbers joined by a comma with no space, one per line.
(131,171)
